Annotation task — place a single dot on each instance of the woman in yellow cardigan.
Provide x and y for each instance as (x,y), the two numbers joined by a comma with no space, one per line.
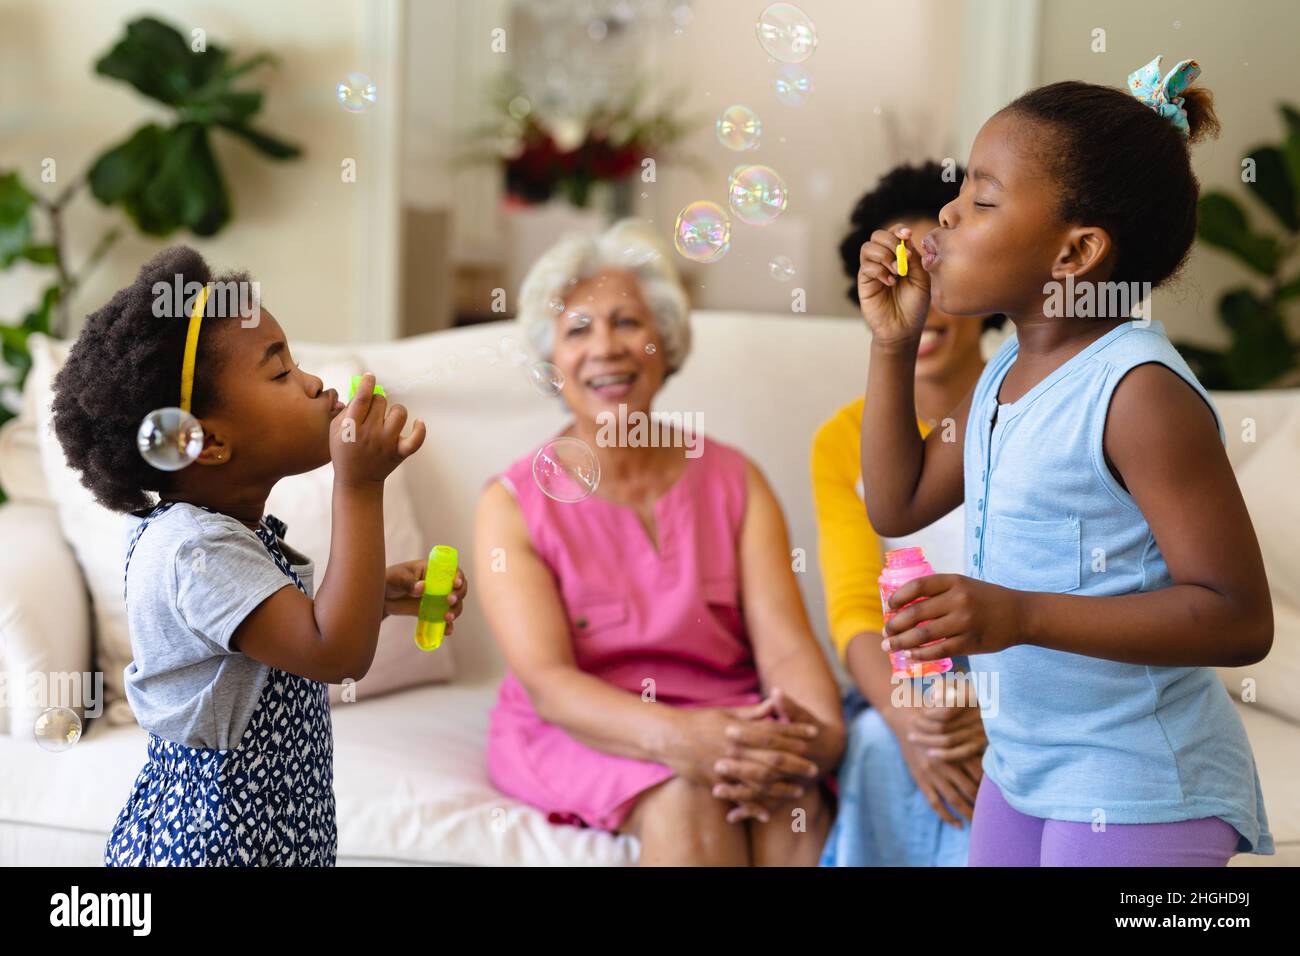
(909,774)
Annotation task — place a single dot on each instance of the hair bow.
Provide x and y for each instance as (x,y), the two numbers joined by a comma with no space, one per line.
(1165,96)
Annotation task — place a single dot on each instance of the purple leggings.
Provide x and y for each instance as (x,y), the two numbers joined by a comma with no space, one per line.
(1003,836)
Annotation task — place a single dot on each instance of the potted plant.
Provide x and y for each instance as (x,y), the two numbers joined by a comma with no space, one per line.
(163,175)
(1263,352)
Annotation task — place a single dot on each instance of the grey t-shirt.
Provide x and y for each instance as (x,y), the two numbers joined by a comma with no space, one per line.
(192,580)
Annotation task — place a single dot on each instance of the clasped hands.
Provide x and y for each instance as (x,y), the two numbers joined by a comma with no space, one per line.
(757,756)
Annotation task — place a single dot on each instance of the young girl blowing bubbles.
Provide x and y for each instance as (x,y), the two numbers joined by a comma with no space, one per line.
(1111,560)
(232,655)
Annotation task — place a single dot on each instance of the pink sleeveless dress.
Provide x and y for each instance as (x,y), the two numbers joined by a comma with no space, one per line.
(636,613)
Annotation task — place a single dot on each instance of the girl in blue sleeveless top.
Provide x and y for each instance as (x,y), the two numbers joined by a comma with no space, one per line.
(1111,563)
(232,656)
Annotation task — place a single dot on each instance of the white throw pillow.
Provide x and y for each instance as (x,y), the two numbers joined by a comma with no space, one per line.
(303,502)
(1267,480)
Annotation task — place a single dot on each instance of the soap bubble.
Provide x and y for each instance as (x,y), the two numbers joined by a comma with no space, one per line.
(577,319)
(739,128)
(556,305)
(703,232)
(782,268)
(793,85)
(650,348)
(512,351)
(566,469)
(169,439)
(757,194)
(57,729)
(357,92)
(786,33)
(546,378)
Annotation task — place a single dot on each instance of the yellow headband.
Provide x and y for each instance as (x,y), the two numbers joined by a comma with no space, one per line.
(192,348)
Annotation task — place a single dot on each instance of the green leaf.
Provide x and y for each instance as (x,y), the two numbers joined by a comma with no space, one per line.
(38,320)
(15,223)
(1289,290)
(154,58)
(1221,223)
(120,172)
(1260,350)
(229,107)
(41,255)
(239,69)
(1272,185)
(268,145)
(1209,367)
(16,358)
(187,189)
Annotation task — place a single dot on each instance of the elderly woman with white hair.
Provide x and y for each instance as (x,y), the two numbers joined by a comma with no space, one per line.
(663,677)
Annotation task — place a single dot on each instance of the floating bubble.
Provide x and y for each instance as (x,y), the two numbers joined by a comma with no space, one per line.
(786,33)
(782,268)
(578,319)
(546,378)
(566,469)
(757,194)
(556,305)
(169,439)
(793,85)
(57,729)
(634,255)
(512,351)
(703,232)
(739,128)
(650,348)
(357,92)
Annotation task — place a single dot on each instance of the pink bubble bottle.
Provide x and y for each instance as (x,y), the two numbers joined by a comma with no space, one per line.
(901,566)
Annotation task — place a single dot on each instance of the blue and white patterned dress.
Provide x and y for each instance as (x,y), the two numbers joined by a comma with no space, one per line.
(267,802)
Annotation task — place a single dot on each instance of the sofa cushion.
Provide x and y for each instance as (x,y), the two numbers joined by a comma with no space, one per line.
(1267,481)
(44,621)
(409,782)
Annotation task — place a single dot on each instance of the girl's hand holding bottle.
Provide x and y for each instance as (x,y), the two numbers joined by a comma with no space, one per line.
(404,586)
(366,441)
(894,306)
(961,615)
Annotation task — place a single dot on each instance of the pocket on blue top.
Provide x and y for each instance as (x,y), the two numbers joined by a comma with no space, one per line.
(1033,554)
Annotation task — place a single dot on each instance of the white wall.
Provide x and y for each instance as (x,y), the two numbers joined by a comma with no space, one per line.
(834,147)
(940,67)
(1247,54)
(318,246)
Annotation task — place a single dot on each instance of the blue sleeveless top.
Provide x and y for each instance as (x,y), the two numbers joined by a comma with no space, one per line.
(1072,737)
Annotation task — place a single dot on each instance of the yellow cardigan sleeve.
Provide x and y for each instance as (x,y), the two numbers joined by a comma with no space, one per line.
(848,547)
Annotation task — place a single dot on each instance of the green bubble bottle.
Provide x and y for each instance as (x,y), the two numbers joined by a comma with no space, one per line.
(439,576)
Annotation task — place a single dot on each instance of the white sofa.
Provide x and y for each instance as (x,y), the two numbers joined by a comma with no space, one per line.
(410,777)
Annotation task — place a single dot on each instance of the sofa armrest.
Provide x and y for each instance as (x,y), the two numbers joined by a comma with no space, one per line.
(44,619)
